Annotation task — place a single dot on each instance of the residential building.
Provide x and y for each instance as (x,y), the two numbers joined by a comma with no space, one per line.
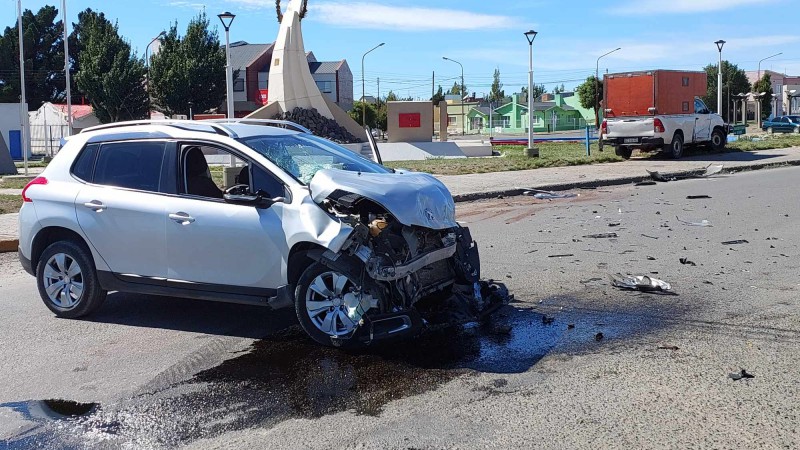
(785,88)
(251,64)
(49,124)
(512,117)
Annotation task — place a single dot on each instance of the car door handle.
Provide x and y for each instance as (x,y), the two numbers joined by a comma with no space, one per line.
(182,218)
(95,205)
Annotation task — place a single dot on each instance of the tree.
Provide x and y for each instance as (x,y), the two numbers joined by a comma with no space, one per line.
(587,96)
(765,85)
(457,89)
(357,113)
(110,75)
(188,69)
(438,96)
(559,89)
(44,59)
(496,94)
(734,82)
(391,97)
(538,90)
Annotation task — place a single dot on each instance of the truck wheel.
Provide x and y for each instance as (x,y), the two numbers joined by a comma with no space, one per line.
(675,148)
(718,140)
(623,152)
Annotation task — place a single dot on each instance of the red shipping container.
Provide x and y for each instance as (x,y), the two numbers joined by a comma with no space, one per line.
(652,92)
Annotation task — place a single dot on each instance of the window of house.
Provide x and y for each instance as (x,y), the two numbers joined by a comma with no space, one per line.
(263,80)
(685,81)
(238,85)
(132,165)
(685,106)
(325,87)
(505,122)
(452,121)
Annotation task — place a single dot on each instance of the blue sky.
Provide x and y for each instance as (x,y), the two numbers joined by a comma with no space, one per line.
(672,34)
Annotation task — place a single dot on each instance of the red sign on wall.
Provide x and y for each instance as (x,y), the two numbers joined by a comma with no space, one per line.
(263,94)
(410,120)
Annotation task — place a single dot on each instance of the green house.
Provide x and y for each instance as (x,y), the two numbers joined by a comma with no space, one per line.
(512,117)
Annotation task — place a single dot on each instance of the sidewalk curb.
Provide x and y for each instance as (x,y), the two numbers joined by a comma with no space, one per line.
(8,245)
(590,184)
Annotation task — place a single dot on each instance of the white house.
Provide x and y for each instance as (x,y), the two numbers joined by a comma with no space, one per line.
(49,124)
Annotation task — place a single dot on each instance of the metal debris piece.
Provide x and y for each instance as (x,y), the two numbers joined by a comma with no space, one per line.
(736,376)
(712,170)
(737,241)
(695,197)
(658,177)
(651,237)
(702,223)
(686,261)
(650,258)
(570,326)
(614,224)
(668,347)
(546,320)
(561,256)
(550,195)
(601,235)
(641,283)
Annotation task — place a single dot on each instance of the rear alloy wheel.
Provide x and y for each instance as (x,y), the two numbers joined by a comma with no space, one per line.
(718,140)
(329,305)
(67,280)
(675,148)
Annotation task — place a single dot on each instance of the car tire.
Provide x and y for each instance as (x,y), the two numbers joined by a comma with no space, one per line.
(326,322)
(624,152)
(796,130)
(67,280)
(770,130)
(675,148)
(718,140)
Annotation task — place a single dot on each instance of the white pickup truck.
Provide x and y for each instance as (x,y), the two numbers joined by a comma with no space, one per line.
(667,133)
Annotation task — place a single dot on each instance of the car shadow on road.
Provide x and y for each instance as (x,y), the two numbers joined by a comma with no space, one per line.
(707,155)
(197,316)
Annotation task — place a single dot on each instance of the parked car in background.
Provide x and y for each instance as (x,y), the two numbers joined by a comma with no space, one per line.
(782,124)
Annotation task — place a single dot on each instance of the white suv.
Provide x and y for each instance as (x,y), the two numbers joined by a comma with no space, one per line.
(247,212)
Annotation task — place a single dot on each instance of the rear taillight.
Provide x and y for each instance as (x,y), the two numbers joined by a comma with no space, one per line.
(37,180)
(604,127)
(658,126)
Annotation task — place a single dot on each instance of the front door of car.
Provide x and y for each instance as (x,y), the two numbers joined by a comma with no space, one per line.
(121,211)
(784,125)
(702,123)
(216,245)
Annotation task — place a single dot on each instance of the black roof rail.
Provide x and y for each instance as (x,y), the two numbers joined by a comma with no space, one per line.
(268,122)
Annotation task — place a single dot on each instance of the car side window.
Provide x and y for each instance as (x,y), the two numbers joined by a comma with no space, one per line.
(84,163)
(132,165)
(266,183)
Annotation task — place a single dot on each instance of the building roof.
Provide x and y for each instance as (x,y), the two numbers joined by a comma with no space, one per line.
(243,54)
(325,66)
(78,111)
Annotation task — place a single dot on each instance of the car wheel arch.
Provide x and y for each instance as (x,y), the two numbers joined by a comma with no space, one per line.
(299,260)
(49,235)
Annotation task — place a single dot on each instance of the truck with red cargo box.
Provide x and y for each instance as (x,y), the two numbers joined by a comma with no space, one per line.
(659,110)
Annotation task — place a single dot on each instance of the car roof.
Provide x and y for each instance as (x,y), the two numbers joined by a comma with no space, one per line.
(190,129)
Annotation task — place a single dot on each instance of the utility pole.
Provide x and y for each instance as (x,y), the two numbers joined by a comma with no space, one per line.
(719,43)
(433,84)
(23,111)
(66,69)
(379,91)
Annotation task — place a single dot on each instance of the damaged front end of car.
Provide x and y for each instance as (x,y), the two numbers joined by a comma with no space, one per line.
(411,264)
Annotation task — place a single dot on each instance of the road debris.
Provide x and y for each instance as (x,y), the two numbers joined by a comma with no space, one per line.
(601,235)
(598,337)
(702,223)
(695,197)
(658,177)
(651,237)
(548,195)
(570,326)
(614,224)
(561,256)
(641,283)
(736,242)
(685,261)
(712,169)
(668,347)
(645,183)
(547,320)
(736,376)
(650,258)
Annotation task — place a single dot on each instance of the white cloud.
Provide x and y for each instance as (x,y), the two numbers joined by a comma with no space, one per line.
(399,18)
(187,4)
(642,7)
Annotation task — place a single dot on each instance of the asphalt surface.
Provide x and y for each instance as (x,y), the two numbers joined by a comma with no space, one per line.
(572,363)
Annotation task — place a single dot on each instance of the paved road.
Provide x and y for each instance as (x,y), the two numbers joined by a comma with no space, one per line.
(170,372)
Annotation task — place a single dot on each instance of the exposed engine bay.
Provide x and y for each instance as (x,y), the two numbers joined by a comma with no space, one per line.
(408,274)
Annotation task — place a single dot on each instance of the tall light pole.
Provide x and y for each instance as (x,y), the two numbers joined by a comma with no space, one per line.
(23,111)
(363,86)
(759,64)
(719,43)
(66,68)
(227,18)
(463,119)
(597,94)
(147,65)
(530,36)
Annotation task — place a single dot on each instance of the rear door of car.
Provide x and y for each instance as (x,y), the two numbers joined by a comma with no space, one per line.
(121,207)
(217,246)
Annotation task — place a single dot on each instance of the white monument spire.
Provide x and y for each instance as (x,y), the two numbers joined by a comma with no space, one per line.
(290,81)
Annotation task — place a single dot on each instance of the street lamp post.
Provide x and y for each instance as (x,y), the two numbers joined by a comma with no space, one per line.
(66,68)
(147,66)
(759,63)
(597,94)
(23,111)
(463,123)
(530,36)
(720,44)
(227,18)
(363,85)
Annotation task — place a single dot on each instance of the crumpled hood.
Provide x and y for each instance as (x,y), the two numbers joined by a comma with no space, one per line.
(412,198)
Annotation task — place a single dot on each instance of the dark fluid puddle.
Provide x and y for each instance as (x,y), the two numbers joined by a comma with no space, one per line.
(288,376)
